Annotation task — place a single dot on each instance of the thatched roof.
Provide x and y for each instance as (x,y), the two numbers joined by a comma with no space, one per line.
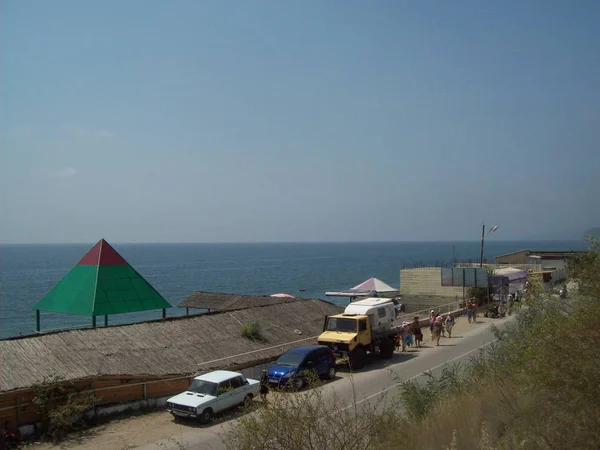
(229,302)
(174,346)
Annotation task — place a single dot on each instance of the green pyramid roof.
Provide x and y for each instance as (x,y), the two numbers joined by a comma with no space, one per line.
(102,283)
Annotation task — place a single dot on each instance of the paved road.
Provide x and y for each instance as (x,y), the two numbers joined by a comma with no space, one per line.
(376,379)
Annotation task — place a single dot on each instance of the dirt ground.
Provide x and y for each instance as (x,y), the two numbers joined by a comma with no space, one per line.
(121,433)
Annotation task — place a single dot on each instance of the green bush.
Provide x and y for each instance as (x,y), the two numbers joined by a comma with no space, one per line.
(535,388)
(310,420)
(253,332)
(60,409)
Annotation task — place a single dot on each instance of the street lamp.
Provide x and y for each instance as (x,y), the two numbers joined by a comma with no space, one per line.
(483,236)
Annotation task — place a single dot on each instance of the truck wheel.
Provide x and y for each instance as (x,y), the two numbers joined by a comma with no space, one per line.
(357,359)
(386,350)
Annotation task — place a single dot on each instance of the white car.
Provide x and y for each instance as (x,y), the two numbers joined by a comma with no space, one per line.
(213,392)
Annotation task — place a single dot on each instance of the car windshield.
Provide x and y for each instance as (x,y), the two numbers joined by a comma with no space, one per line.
(291,359)
(203,387)
(338,324)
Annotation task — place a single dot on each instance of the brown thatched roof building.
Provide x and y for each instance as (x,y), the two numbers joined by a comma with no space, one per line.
(177,346)
(230,302)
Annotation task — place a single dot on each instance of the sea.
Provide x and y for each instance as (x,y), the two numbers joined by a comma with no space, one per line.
(28,271)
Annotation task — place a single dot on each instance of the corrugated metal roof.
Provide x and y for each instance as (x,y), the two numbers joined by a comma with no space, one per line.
(160,348)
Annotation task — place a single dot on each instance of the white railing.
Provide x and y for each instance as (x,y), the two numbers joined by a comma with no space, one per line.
(424,313)
(282,347)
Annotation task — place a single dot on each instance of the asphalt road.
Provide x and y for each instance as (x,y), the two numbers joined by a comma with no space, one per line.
(377,382)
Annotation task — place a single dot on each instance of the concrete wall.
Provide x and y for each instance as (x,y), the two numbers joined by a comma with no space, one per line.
(560,268)
(513,258)
(426,281)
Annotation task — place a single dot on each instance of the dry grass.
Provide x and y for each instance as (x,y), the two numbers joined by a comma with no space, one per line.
(538,388)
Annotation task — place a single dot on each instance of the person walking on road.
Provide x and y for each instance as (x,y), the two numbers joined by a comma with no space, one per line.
(449,324)
(439,317)
(415,328)
(470,312)
(432,316)
(264,385)
(405,334)
(438,326)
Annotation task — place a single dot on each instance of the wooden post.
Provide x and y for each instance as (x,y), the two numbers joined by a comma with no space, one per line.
(37,320)
(105,320)
(164,313)
(187,311)
(93,321)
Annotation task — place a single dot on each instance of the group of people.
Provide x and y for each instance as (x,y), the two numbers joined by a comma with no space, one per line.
(438,326)
(410,333)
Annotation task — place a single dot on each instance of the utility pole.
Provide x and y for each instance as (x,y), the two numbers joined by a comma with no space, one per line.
(482,240)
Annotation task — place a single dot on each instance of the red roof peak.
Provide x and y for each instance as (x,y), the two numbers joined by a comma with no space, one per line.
(102,254)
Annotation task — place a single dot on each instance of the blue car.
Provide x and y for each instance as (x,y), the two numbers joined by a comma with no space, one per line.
(293,366)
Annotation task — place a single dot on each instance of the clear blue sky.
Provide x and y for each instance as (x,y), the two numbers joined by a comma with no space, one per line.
(194,121)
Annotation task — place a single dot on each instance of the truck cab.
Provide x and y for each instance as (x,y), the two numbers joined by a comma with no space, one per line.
(364,327)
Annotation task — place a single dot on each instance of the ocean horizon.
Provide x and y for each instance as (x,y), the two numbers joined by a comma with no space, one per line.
(28,271)
(546,241)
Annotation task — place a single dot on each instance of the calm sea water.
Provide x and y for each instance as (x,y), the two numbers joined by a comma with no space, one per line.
(27,272)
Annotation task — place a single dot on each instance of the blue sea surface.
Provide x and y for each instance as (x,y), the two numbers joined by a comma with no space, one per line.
(27,272)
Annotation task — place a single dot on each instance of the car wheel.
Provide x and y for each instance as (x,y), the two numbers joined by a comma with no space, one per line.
(247,401)
(207,414)
(331,373)
(298,383)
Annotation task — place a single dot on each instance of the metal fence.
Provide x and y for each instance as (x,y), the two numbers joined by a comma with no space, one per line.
(440,263)
(223,362)
(424,313)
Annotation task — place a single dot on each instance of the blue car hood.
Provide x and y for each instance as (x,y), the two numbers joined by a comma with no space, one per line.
(277,371)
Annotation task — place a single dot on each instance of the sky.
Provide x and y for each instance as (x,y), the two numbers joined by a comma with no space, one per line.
(270,121)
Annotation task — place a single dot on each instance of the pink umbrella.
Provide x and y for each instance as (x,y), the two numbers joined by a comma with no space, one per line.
(283,295)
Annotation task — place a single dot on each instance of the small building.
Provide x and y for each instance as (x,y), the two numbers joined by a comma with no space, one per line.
(421,288)
(515,278)
(427,281)
(554,261)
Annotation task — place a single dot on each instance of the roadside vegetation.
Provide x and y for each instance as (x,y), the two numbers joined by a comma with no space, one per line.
(536,387)
(61,407)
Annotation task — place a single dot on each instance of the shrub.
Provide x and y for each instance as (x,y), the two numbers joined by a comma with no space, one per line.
(253,332)
(536,388)
(59,407)
(316,419)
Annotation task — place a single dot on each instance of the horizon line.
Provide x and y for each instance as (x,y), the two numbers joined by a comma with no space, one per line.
(296,242)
